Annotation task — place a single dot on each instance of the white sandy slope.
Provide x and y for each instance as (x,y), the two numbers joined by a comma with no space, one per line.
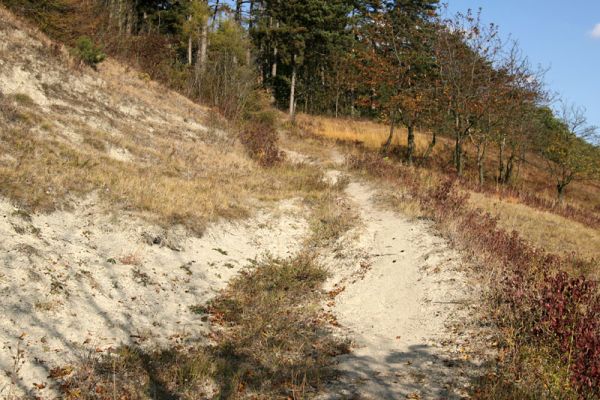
(88,278)
(74,283)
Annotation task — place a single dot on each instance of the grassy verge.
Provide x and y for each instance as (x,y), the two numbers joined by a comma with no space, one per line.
(533,188)
(270,341)
(556,234)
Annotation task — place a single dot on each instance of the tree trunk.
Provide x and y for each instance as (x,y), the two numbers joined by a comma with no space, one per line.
(202,48)
(215,13)
(509,168)
(190,47)
(238,11)
(560,188)
(274,65)
(481,162)
(431,145)
(458,156)
(293,91)
(520,161)
(501,160)
(275,54)
(337,101)
(388,142)
(411,143)
(251,12)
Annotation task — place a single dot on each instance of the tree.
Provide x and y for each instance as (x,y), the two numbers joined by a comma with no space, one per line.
(565,144)
(195,27)
(465,51)
(398,64)
(296,39)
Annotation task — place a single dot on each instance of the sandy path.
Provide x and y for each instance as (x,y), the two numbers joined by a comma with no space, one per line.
(402,311)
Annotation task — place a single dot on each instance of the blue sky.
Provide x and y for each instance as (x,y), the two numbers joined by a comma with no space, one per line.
(558,34)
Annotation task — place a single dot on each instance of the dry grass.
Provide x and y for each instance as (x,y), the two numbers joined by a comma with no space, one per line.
(332,216)
(273,342)
(532,176)
(190,184)
(545,230)
(370,134)
(67,133)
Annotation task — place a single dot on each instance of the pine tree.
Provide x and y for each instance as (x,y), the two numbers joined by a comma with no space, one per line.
(300,36)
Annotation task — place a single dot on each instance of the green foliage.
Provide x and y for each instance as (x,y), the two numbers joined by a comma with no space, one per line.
(227,82)
(230,40)
(194,16)
(308,36)
(88,52)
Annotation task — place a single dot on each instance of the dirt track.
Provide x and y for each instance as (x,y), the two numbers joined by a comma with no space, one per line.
(406,313)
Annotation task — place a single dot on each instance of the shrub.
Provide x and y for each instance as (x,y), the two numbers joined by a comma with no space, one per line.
(260,140)
(88,52)
(259,134)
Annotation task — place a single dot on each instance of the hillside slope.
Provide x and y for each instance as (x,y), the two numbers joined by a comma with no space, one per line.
(126,209)
(116,197)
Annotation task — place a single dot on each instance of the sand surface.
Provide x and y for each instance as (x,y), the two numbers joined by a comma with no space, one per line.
(85,281)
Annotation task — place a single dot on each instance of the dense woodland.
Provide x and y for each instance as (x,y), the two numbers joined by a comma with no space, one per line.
(401,62)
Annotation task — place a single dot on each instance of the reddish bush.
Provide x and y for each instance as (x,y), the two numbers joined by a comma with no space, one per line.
(571,316)
(260,140)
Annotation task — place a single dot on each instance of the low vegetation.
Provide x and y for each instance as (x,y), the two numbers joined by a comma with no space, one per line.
(370,134)
(87,52)
(271,340)
(544,229)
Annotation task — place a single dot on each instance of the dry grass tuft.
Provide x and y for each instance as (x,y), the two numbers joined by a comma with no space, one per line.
(332,216)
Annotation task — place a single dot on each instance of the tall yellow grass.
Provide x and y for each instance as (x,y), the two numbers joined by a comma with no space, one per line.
(545,230)
(371,134)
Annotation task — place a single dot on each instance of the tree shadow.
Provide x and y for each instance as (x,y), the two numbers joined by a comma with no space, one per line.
(420,371)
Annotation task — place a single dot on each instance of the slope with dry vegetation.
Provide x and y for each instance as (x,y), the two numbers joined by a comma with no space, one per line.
(126,207)
(142,218)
